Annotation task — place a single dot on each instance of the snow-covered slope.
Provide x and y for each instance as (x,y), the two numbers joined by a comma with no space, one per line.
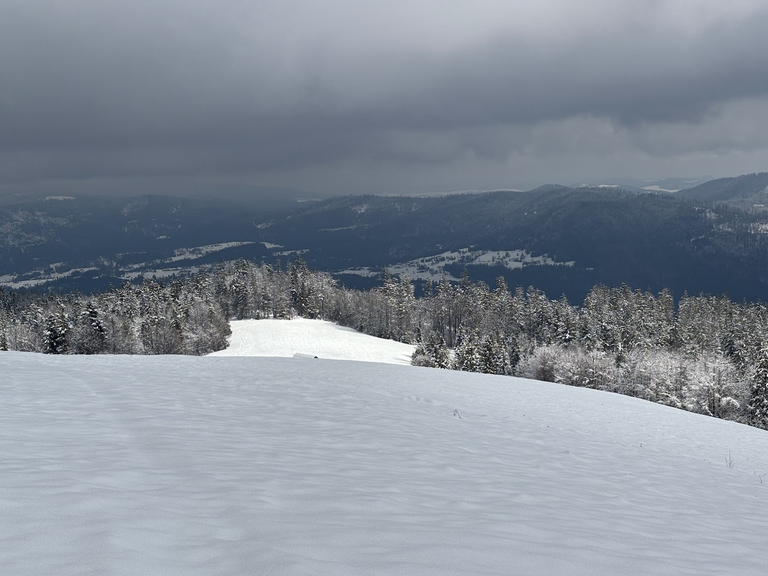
(311,338)
(241,466)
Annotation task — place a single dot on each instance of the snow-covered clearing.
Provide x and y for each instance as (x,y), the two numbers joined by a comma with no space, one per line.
(41,277)
(657,188)
(160,272)
(154,269)
(200,251)
(433,267)
(312,338)
(237,466)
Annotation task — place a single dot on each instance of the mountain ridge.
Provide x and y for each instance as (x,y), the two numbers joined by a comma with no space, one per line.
(746,191)
(648,240)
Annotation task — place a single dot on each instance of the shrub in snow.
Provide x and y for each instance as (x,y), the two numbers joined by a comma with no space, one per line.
(651,375)
(576,367)
(24,337)
(709,385)
(420,357)
(540,364)
(715,388)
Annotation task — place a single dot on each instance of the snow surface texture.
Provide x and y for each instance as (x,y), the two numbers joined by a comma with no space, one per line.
(118,465)
(311,338)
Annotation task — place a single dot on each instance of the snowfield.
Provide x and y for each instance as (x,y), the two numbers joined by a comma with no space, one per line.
(311,338)
(118,465)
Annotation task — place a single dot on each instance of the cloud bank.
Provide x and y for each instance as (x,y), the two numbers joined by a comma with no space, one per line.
(380,97)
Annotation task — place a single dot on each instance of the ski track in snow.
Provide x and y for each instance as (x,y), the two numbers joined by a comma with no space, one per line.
(209,466)
(312,338)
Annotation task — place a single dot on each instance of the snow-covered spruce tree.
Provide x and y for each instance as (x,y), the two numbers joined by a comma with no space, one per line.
(88,334)
(304,297)
(467,353)
(278,289)
(454,310)
(438,351)
(565,322)
(666,329)
(498,314)
(420,357)
(399,303)
(538,317)
(494,355)
(205,328)
(56,330)
(238,288)
(732,348)
(3,333)
(702,321)
(758,392)
(618,320)
(6,320)
(119,318)
(432,353)
(596,320)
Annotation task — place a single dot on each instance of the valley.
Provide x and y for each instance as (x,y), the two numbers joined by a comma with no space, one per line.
(559,239)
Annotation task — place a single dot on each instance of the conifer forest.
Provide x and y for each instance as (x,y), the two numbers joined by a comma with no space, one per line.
(702,353)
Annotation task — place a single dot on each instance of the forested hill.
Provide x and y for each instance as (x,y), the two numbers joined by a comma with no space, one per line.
(747,191)
(89,242)
(558,239)
(561,240)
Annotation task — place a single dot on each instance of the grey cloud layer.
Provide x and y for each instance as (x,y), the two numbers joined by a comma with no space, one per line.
(171,87)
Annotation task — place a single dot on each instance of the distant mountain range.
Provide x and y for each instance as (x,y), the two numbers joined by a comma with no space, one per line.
(709,238)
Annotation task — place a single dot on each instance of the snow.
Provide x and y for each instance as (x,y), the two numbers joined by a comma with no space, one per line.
(657,188)
(311,338)
(214,466)
(433,267)
(292,252)
(153,269)
(11,280)
(160,272)
(131,272)
(200,251)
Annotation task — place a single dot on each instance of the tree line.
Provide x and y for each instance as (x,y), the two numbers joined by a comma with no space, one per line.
(704,354)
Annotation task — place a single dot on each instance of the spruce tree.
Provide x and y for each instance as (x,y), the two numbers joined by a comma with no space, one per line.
(468,353)
(432,353)
(494,355)
(56,330)
(758,400)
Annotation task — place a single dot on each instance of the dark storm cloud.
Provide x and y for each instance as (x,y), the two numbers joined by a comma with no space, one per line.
(100,89)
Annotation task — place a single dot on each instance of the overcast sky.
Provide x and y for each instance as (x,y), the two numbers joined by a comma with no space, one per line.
(402,96)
